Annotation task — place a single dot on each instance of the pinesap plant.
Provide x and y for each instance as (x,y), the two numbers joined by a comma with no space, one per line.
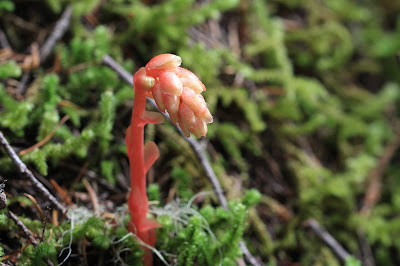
(177,91)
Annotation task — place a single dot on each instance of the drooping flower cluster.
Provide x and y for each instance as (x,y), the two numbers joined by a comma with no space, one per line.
(178,91)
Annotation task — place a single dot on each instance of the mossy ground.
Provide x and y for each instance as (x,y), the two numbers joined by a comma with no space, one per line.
(305,96)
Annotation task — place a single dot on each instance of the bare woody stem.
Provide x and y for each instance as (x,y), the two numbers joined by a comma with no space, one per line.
(26,231)
(328,239)
(24,171)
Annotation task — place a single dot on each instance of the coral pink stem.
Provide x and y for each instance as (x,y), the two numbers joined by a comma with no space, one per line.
(178,91)
(136,160)
(138,202)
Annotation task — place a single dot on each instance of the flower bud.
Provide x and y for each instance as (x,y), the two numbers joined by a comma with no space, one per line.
(190,80)
(177,91)
(157,95)
(193,101)
(193,84)
(172,105)
(205,115)
(162,62)
(199,128)
(170,83)
(184,128)
(142,80)
(186,115)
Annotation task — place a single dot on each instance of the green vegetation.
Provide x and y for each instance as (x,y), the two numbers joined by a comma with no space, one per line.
(305,97)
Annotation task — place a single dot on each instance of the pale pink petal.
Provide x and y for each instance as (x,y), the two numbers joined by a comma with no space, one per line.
(186,114)
(193,101)
(157,95)
(187,75)
(193,84)
(199,128)
(170,83)
(162,62)
(184,128)
(205,115)
(172,105)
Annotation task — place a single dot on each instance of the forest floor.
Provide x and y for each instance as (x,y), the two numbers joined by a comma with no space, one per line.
(299,167)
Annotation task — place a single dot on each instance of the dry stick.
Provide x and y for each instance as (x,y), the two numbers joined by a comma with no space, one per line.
(22,227)
(59,30)
(92,195)
(196,146)
(4,44)
(373,190)
(328,239)
(24,171)
(26,232)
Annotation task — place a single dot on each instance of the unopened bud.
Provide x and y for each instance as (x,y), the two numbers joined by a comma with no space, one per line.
(184,128)
(172,105)
(143,81)
(163,62)
(187,115)
(199,128)
(170,83)
(157,95)
(189,79)
(193,101)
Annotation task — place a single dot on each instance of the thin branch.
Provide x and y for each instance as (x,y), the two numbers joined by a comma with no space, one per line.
(4,44)
(328,239)
(201,155)
(26,231)
(92,195)
(59,30)
(249,257)
(24,171)
(196,146)
(373,190)
(22,227)
(122,73)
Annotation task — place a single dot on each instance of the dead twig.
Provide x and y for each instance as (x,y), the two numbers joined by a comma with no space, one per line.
(45,50)
(4,41)
(373,190)
(328,239)
(196,146)
(61,192)
(25,172)
(15,253)
(35,204)
(59,30)
(26,232)
(21,226)
(92,195)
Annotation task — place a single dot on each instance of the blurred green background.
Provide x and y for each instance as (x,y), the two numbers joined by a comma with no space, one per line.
(305,98)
